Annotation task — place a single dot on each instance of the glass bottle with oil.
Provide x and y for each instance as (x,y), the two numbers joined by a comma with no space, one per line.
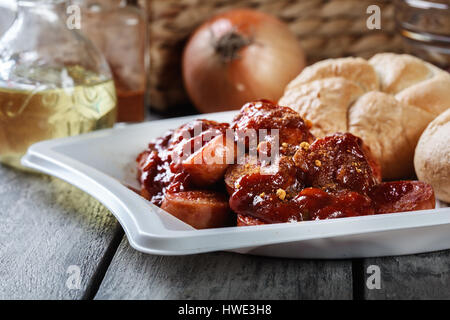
(53,81)
(118,28)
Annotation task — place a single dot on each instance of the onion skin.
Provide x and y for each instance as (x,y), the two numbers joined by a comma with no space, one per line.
(261,58)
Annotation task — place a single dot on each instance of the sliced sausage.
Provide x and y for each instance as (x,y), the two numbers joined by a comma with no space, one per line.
(336,162)
(399,196)
(243,221)
(264,114)
(208,165)
(200,209)
(237,171)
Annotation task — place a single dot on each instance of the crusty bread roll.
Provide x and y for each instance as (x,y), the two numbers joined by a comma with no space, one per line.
(332,94)
(431,95)
(388,101)
(400,71)
(390,129)
(354,69)
(432,156)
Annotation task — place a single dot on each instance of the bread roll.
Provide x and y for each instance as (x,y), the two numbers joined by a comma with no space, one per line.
(432,95)
(400,71)
(324,102)
(355,69)
(388,101)
(391,129)
(432,156)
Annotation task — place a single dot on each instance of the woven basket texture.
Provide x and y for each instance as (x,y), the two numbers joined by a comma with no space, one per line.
(325,28)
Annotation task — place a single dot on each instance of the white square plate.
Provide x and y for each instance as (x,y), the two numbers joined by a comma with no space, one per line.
(102,163)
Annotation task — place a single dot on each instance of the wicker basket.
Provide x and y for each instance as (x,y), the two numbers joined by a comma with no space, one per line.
(326,28)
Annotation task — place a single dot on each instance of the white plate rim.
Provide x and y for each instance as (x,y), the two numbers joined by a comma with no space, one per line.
(109,191)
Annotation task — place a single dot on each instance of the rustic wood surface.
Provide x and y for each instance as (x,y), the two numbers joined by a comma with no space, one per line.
(46,225)
(422,276)
(133,275)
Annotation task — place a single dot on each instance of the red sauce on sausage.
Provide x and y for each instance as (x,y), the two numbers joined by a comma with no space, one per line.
(315,179)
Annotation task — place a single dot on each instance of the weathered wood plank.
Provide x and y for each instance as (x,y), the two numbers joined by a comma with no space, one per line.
(46,226)
(133,275)
(422,276)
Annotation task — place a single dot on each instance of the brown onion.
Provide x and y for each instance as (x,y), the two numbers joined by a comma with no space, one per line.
(240,56)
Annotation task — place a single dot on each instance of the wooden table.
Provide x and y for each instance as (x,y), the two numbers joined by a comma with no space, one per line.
(52,234)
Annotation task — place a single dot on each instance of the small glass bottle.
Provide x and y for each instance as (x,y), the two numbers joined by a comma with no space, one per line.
(7,14)
(424,27)
(53,82)
(119,28)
